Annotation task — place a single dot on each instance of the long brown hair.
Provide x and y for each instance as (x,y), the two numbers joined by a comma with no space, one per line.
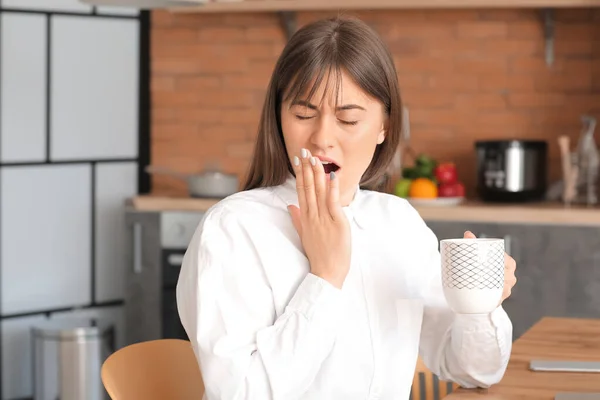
(317,51)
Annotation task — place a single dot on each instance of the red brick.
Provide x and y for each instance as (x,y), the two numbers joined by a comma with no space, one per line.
(522,100)
(413,65)
(428,99)
(419,30)
(573,47)
(241,150)
(251,19)
(507,83)
(573,15)
(244,81)
(162,115)
(162,84)
(408,80)
(574,31)
(225,99)
(449,49)
(174,36)
(161,18)
(437,15)
(509,15)
(480,102)
(186,83)
(481,66)
(511,47)
(457,83)
(220,34)
(575,76)
(482,29)
(265,34)
(526,30)
(200,114)
(176,99)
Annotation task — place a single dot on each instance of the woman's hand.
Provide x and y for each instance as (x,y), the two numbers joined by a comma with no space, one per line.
(320,220)
(510,266)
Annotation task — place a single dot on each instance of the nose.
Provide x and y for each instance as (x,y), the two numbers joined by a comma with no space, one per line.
(323,136)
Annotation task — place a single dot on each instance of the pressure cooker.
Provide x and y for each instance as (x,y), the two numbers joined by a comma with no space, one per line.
(511,170)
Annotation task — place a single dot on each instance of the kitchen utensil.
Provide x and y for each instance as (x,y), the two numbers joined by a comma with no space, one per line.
(211,183)
(472,274)
(569,170)
(588,161)
(511,170)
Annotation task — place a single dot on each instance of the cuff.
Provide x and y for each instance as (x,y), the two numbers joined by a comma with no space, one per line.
(475,322)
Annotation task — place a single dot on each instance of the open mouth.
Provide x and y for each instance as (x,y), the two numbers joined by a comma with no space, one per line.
(330,167)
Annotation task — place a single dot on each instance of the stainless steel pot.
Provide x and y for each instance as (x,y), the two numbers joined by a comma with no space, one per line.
(210,183)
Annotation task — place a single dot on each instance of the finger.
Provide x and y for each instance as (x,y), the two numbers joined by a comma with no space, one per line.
(509,263)
(295,214)
(333,198)
(309,184)
(469,235)
(299,183)
(320,187)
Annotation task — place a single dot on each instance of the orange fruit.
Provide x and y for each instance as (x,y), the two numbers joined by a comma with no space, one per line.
(423,188)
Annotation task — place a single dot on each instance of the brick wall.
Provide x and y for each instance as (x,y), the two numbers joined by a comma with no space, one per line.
(464,75)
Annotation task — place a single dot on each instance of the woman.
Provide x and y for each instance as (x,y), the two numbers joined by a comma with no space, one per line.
(304,285)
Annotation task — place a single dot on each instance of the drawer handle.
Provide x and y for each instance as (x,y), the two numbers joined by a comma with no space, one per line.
(137,248)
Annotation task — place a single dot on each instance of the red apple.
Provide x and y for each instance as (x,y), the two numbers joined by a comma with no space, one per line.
(445,173)
(454,189)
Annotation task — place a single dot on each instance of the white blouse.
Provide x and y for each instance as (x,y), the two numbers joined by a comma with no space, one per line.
(263,327)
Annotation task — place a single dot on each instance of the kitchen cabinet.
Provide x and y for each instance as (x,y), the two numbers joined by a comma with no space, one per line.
(106,10)
(48,5)
(557,268)
(17,354)
(115,182)
(45,237)
(94,88)
(23,87)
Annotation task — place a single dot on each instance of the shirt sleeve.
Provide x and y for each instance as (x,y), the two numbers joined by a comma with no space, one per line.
(470,349)
(225,303)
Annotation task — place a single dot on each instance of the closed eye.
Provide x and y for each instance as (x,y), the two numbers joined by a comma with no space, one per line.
(303,117)
(348,122)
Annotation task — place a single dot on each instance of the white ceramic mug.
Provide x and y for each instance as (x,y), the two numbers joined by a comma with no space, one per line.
(472,274)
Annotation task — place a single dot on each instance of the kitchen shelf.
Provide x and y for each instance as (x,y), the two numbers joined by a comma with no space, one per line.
(347,5)
(470,211)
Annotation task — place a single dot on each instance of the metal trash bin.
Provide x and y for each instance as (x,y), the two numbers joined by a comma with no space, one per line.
(67,357)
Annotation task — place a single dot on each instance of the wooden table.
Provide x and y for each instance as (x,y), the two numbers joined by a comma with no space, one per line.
(551,338)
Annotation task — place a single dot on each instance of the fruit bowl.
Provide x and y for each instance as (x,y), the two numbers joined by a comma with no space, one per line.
(436,202)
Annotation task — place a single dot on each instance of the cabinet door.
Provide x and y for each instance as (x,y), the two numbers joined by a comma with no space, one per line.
(17,377)
(143,280)
(581,256)
(48,5)
(115,182)
(23,87)
(94,94)
(45,237)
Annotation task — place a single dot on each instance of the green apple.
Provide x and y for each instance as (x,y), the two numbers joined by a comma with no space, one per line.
(402,187)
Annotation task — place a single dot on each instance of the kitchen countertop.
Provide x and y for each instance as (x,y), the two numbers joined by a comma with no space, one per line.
(550,339)
(470,211)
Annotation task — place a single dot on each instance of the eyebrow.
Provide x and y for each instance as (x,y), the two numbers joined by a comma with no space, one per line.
(339,108)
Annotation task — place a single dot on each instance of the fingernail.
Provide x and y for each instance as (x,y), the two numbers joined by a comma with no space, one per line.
(304,153)
(313,161)
(332,175)
(296,161)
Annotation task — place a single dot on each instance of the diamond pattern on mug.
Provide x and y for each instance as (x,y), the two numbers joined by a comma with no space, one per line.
(465,271)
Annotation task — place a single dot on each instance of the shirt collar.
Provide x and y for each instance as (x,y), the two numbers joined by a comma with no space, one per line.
(354,211)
